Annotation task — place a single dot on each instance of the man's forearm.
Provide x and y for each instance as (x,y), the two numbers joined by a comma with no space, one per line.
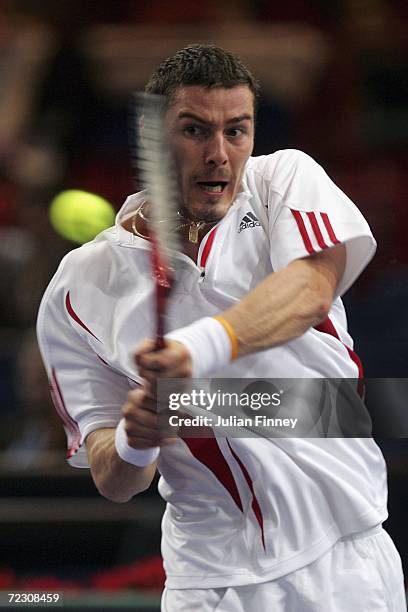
(115,479)
(282,307)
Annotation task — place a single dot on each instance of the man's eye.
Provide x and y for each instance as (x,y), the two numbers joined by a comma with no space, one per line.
(193,130)
(235,132)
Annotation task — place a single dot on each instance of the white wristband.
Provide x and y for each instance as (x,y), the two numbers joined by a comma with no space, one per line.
(208,344)
(135,456)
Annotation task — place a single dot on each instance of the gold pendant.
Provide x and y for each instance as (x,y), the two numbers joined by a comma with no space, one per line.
(193,233)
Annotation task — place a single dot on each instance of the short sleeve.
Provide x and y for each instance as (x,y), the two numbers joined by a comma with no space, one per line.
(87,393)
(313,214)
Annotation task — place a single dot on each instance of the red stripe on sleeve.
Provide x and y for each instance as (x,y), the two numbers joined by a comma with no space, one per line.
(255,504)
(207,451)
(316,230)
(74,316)
(68,421)
(329,228)
(303,231)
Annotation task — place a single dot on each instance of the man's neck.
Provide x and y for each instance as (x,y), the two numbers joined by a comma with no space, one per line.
(138,224)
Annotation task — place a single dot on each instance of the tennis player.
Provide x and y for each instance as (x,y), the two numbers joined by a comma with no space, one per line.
(269,245)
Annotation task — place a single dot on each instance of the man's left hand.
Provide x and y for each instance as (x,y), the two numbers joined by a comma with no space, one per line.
(173,361)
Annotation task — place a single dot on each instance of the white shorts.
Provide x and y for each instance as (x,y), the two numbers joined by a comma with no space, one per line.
(360,573)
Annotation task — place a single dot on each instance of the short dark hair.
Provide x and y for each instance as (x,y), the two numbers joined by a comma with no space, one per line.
(201,64)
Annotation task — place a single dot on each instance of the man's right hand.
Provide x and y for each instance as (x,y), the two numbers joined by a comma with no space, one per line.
(145,425)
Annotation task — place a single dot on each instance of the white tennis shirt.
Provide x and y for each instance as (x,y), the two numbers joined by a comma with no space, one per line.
(240,510)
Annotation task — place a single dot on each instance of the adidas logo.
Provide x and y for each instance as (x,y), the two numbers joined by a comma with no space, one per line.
(249,220)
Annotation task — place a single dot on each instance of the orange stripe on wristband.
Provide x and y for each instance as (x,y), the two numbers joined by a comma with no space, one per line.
(231,335)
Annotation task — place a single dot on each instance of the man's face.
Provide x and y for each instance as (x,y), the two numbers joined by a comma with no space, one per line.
(212,132)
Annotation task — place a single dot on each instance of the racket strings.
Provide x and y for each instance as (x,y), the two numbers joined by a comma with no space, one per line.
(157,171)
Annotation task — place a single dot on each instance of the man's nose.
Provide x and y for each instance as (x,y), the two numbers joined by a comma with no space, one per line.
(216,153)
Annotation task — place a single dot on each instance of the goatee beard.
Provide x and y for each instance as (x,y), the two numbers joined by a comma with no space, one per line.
(208,216)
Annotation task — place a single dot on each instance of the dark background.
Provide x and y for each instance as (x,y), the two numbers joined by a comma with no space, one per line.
(335,85)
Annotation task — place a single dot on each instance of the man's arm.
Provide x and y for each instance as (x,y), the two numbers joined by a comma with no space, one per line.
(287,303)
(282,307)
(116,479)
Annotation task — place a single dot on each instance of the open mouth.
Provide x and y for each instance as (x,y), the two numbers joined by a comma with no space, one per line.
(212,186)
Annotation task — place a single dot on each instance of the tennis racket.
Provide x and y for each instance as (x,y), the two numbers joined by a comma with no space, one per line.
(156,174)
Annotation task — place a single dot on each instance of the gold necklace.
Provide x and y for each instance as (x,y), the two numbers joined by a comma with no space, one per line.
(193,226)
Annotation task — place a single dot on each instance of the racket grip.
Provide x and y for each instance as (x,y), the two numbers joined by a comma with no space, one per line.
(163,279)
(160,341)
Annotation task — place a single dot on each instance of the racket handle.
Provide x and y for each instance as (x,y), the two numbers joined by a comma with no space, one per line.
(160,341)
(163,280)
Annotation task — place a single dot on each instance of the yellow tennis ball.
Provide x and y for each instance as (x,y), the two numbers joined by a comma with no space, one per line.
(79,215)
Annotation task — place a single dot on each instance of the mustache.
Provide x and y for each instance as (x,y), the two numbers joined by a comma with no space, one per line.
(217,175)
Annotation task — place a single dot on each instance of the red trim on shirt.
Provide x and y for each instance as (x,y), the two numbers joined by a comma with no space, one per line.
(255,504)
(207,247)
(207,451)
(326,326)
(303,231)
(74,316)
(329,228)
(68,421)
(316,230)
